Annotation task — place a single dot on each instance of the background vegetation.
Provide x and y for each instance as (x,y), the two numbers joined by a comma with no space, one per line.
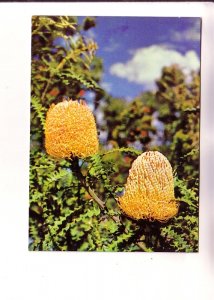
(62,213)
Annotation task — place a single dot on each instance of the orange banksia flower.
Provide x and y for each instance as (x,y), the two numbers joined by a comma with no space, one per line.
(149,191)
(70,130)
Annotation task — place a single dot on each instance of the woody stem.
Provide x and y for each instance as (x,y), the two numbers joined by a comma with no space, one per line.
(116,219)
(101,203)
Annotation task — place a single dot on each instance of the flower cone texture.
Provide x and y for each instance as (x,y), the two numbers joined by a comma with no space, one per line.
(70,130)
(149,191)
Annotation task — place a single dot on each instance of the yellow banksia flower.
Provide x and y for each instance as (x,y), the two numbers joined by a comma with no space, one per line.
(149,191)
(70,130)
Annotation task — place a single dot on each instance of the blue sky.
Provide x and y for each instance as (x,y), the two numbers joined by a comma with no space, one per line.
(134,50)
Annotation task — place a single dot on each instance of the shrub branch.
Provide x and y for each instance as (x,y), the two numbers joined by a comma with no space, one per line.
(101,203)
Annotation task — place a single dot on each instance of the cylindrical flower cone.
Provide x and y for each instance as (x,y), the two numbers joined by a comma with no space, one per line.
(70,130)
(149,191)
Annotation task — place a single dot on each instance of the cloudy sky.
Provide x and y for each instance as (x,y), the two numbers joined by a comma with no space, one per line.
(134,50)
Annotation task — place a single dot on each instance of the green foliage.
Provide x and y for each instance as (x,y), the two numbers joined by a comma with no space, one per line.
(64,68)
(64,214)
(129,123)
(182,233)
(180,115)
(39,110)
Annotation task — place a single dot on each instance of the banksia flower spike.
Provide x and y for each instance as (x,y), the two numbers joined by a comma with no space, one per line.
(70,130)
(149,191)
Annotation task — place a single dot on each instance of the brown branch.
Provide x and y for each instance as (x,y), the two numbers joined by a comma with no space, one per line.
(46,89)
(101,204)
(116,219)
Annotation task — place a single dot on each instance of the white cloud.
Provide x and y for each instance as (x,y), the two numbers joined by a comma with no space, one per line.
(146,64)
(112,46)
(190,34)
(99,116)
(106,86)
(187,35)
(103,136)
(91,34)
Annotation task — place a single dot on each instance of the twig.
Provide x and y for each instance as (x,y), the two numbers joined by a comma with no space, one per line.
(46,89)
(101,204)
(77,171)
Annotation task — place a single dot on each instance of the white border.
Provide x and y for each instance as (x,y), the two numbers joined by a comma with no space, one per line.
(30,275)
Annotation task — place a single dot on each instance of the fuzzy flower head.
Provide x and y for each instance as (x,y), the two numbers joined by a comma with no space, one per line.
(70,130)
(149,191)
